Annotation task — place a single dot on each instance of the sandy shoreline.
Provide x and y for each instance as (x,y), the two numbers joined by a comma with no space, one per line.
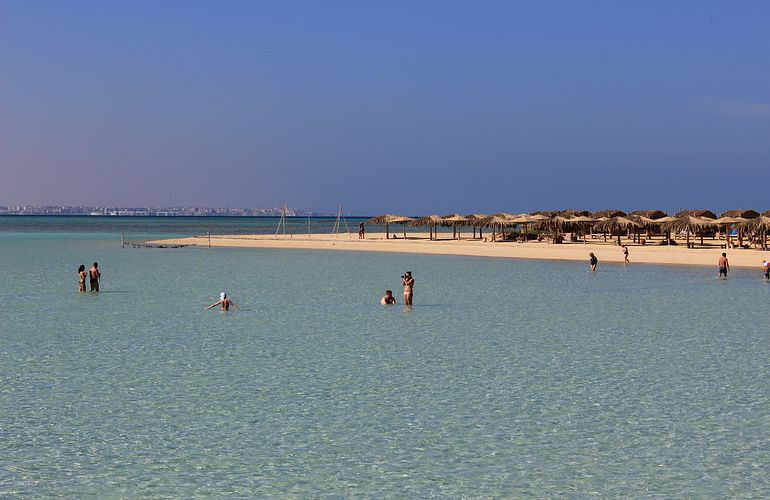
(419,244)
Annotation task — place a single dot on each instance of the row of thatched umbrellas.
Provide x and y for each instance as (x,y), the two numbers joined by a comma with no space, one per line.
(690,222)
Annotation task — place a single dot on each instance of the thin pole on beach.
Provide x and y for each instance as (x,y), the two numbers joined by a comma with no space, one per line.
(209,235)
(308,225)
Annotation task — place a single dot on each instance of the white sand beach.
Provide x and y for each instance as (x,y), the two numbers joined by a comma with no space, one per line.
(419,243)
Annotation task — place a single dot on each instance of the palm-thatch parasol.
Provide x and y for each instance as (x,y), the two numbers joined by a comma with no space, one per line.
(704,214)
(617,224)
(431,221)
(607,214)
(759,224)
(728,221)
(650,214)
(475,220)
(689,224)
(743,214)
(388,219)
(570,213)
(455,220)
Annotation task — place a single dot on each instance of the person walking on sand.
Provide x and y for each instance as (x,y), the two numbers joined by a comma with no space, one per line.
(592,260)
(224,302)
(361,231)
(93,277)
(766,269)
(82,278)
(388,299)
(408,283)
(724,265)
(625,255)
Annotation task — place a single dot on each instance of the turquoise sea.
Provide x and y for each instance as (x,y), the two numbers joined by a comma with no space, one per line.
(508,378)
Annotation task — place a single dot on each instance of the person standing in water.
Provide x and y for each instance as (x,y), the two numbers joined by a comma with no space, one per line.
(592,260)
(93,276)
(724,265)
(408,283)
(766,269)
(224,302)
(625,255)
(82,277)
(388,299)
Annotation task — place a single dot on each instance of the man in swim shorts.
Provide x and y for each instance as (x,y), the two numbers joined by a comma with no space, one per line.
(724,265)
(223,301)
(93,277)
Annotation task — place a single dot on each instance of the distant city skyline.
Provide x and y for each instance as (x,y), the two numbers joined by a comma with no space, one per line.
(408,107)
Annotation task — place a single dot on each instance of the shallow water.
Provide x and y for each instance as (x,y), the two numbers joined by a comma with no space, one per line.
(507,378)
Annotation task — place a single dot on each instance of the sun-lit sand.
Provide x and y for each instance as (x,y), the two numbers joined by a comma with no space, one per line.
(419,243)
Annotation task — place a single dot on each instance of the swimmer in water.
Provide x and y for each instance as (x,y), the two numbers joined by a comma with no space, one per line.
(766,269)
(724,265)
(223,301)
(388,299)
(408,283)
(592,260)
(94,274)
(82,274)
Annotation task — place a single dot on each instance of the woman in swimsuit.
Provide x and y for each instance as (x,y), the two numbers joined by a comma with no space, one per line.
(82,276)
(408,282)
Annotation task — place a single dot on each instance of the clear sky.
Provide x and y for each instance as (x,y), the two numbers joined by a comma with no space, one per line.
(407,107)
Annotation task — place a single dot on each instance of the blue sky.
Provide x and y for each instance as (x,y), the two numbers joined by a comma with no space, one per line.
(406,107)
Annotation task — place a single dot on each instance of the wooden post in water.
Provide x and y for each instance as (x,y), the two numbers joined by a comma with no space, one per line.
(122,240)
(209,234)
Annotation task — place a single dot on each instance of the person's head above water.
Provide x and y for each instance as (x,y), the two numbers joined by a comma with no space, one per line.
(96,264)
(222,296)
(388,292)
(81,268)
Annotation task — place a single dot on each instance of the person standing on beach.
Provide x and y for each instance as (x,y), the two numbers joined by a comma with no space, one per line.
(592,260)
(361,231)
(766,269)
(388,299)
(625,255)
(82,277)
(408,283)
(94,275)
(724,265)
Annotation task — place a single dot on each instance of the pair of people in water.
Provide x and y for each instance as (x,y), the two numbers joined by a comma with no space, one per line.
(408,281)
(93,275)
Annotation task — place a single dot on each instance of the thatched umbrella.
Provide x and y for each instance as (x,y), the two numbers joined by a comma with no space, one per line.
(388,219)
(431,221)
(570,213)
(617,224)
(650,214)
(728,221)
(607,214)
(455,220)
(689,224)
(495,221)
(759,224)
(704,214)
(475,220)
(743,214)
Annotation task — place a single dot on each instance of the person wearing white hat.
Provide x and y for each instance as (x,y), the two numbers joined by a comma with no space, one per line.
(223,301)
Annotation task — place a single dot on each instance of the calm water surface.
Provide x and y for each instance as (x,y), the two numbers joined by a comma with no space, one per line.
(508,378)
